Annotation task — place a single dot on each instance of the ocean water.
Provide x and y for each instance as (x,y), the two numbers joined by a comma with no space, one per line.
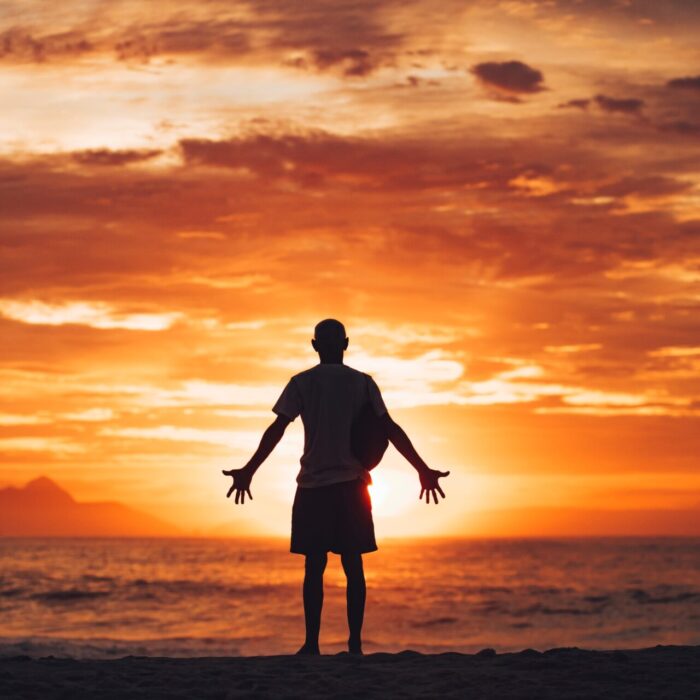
(105,598)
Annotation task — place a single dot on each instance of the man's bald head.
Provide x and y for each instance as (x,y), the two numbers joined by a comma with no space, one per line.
(329,336)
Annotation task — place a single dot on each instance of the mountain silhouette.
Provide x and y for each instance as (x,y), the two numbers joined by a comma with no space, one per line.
(44,491)
(43,509)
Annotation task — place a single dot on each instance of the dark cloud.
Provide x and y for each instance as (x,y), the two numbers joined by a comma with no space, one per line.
(688,83)
(619,105)
(653,124)
(284,156)
(328,36)
(354,62)
(577,104)
(511,76)
(105,156)
(683,128)
(223,38)
(353,42)
(414,81)
(641,186)
(20,45)
(320,159)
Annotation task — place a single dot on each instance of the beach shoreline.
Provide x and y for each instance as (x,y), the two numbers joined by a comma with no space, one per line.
(657,672)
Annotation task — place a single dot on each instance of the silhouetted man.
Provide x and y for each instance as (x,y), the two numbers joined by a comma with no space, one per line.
(332,511)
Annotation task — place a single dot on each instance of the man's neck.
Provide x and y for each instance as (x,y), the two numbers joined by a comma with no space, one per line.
(331,359)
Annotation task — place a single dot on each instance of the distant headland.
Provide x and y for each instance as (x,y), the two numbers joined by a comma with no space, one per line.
(42,508)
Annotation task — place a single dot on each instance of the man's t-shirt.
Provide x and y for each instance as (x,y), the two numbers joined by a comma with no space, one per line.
(328,397)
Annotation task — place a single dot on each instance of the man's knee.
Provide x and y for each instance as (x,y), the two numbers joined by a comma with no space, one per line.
(352,564)
(316,563)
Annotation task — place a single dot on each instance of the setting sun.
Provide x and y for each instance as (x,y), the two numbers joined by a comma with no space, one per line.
(393,492)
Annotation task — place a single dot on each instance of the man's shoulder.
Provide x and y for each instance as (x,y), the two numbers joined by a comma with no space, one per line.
(304,373)
(355,372)
(321,368)
(303,377)
(361,375)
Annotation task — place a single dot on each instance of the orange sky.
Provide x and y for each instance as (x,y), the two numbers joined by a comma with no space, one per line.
(501,200)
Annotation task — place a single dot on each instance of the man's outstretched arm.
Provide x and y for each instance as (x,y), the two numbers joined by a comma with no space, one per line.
(242,477)
(428,477)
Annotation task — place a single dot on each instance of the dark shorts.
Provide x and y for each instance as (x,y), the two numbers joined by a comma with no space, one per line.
(335,518)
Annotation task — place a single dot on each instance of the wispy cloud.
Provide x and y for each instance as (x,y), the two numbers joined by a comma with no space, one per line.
(50,445)
(245,441)
(90,415)
(10,419)
(94,314)
(693,351)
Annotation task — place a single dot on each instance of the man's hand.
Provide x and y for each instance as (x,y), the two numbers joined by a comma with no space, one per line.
(241,483)
(429,484)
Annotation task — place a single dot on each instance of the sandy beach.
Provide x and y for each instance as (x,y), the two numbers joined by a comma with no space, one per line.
(659,672)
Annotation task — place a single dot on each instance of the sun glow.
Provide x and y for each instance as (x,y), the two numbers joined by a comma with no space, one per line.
(393,491)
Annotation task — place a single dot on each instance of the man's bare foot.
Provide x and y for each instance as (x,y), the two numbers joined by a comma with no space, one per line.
(309,650)
(354,647)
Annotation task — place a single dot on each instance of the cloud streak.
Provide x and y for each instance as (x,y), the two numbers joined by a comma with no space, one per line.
(687,83)
(93,314)
(628,105)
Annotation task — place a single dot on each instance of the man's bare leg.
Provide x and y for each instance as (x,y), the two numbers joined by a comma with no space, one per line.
(356,594)
(313,600)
